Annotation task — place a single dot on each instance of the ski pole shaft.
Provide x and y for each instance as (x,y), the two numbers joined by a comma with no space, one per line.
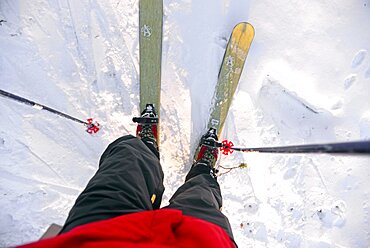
(356,147)
(91,125)
(39,106)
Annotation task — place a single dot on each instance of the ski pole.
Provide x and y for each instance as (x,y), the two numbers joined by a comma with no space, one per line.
(354,147)
(92,127)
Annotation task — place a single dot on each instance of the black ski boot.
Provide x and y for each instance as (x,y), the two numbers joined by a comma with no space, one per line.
(207,155)
(147,128)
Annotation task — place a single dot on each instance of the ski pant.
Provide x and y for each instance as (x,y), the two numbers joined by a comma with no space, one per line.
(130,180)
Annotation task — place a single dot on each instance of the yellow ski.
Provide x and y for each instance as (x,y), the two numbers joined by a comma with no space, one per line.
(230,72)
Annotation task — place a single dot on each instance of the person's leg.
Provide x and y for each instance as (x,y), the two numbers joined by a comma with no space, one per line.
(129,179)
(200,197)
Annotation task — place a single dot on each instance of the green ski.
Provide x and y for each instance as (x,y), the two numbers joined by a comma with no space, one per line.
(150,24)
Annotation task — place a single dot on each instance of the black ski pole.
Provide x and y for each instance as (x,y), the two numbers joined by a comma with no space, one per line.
(92,127)
(355,147)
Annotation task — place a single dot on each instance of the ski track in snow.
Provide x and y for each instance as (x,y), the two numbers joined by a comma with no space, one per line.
(301,84)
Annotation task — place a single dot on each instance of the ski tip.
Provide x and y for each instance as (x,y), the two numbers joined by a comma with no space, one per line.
(247,24)
(244,27)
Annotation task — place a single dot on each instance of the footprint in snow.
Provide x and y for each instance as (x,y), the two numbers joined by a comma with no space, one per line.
(359,58)
(357,61)
(365,126)
(367,73)
(256,230)
(337,105)
(290,173)
(296,213)
(348,82)
(333,215)
(251,207)
(290,239)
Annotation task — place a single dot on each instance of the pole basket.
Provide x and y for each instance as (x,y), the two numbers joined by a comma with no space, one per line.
(226,147)
(92,126)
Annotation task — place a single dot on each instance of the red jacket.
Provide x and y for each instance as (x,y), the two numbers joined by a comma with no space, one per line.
(159,229)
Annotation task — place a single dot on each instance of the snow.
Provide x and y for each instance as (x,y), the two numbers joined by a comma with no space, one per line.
(306,80)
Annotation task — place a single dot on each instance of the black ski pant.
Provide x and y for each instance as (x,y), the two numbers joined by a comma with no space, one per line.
(130,180)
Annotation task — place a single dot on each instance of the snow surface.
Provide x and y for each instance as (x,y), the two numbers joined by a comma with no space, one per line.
(306,80)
